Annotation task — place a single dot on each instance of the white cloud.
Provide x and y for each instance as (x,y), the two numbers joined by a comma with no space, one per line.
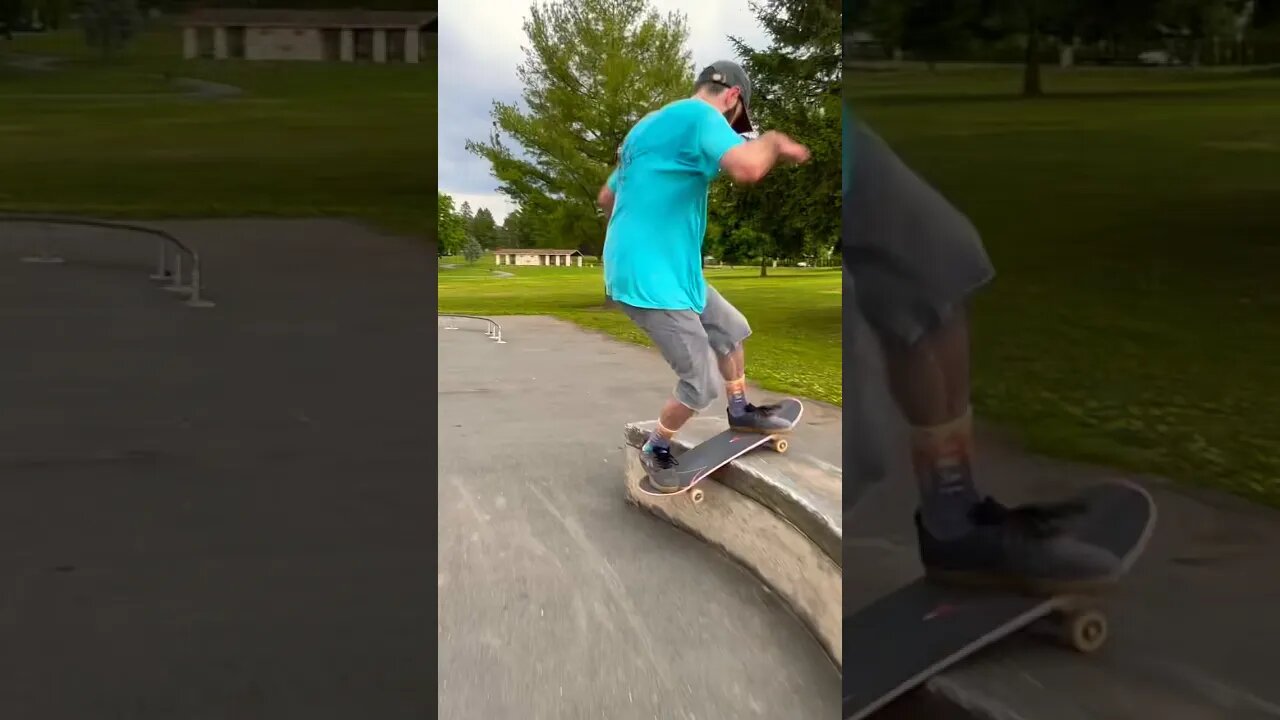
(497,203)
(480,47)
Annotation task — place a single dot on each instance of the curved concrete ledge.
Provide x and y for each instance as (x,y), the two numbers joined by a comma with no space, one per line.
(777,515)
(798,487)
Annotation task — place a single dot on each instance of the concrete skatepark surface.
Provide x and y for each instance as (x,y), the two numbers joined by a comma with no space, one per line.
(560,600)
(218,512)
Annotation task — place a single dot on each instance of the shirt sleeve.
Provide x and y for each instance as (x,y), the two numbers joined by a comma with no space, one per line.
(612,182)
(715,138)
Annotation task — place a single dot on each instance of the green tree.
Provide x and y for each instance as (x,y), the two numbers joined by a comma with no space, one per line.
(931,30)
(796,89)
(472,251)
(885,19)
(1263,13)
(449,226)
(518,230)
(1200,19)
(53,13)
(484,229)
(110,24)
(936,30)
(592,69)
(1031,20)
(307,4)
(11,12)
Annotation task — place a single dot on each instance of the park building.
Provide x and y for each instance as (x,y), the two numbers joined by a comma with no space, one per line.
(536,256)
(380,36)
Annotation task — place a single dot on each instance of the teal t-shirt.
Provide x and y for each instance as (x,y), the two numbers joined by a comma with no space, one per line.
(653,248)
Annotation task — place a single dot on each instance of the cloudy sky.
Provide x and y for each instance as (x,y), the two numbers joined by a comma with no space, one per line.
(478,53)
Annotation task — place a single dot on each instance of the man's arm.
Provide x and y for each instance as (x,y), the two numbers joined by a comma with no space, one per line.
(750,161)
(605,200)
(608,194)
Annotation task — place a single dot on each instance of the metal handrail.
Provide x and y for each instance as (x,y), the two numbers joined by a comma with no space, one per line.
(493,331)
(169,262)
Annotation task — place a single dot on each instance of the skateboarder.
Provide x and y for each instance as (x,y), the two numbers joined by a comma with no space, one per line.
(911,263)
(656,202)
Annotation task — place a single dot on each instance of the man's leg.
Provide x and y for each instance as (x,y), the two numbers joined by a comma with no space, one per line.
(929,380)
(683,342)
(915,261)
(733,369)
(727,329)
(673,417)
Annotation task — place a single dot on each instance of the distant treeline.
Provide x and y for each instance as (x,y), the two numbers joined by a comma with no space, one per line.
(34,14)
(1102,31)
(183,5)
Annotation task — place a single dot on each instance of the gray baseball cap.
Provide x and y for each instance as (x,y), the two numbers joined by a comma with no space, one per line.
(731,74)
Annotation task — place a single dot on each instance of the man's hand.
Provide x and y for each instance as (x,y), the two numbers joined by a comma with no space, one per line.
(792,151)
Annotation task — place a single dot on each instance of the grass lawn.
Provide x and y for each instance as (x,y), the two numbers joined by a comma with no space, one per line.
(794,313)
(1133,219)
(305,139)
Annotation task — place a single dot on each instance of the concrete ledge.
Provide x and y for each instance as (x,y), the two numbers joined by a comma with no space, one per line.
(778,515)
(798,487)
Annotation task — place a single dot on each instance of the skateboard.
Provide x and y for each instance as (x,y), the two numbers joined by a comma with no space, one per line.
(905,638)
(700,461)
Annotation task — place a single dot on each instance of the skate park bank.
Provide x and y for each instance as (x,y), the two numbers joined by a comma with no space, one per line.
(560,599)
(773,516)
(778,515)
(1169,656)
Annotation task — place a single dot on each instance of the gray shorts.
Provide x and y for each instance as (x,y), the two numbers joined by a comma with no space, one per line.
(690,342)
(911,259)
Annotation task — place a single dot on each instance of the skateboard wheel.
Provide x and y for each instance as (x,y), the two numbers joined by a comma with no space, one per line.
(780,445)
(1085,631)
(696,495)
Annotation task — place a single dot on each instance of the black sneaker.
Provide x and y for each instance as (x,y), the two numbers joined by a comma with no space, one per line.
(761,419)
(1023,548)
(659,463)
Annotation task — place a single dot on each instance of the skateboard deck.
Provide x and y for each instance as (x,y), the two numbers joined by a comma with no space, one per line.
(903,639)
(699,461)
